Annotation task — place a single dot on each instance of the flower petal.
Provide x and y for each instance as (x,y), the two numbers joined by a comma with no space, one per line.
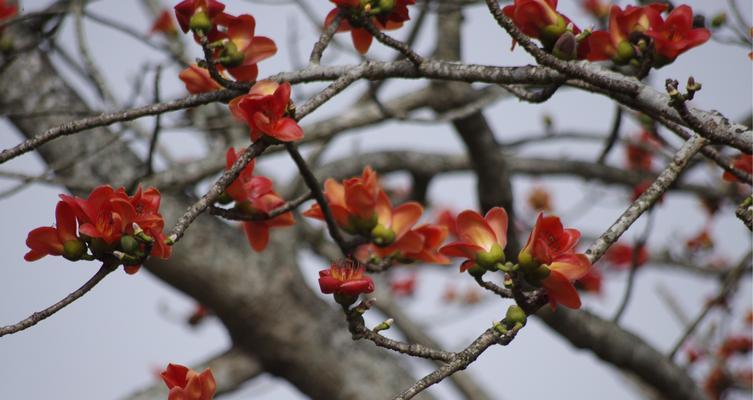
(561,291)
(474,229)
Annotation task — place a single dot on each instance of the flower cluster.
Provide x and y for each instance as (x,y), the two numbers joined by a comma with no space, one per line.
(382,14)
(187,384)
(361,207)
(254,196)
(235,47)
(634,34)
(112,227)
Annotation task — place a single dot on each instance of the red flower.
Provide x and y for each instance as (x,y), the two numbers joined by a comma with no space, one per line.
(597,8)
(164,24)
(624,26)
(591,281)
(187,384)
(676,34)
(242,50)
(253,195)
(405,286)
(620,255)
(7,11)
(742,162)
(552,247)
(58,241)
(419,244)
(533,17)
(197,80)
(353,203)
(393,223)
(383,19)
(639,152)
(539,199)
(203,10)
(482,239)
(106,222)
(264,109)
(735,345)
(345,278)
(701,241)
(446,218)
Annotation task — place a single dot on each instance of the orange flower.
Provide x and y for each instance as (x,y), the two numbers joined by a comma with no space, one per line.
(242,50)
(164,24)
(597,8)
(482,239)
(591,281)
(446,218)
(353,203)
(419,244)
(393,223)
(620,255)
(187,384)
(404,286)
(624,27)
(253,195)
(345,278)
(549,259)
(197,80)
(539,19)
(539,199)
(197,14)
(58,241)
(264,109)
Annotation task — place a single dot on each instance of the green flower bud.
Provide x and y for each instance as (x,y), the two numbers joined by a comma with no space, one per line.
(515,315)
(625,53)
(129,244)
(99,247)
(74,249)
(386,6)
(525,259)
(361,225)
(718,20)
(200,23)
(488,259)
(550,33)
(382,236)
(476,271)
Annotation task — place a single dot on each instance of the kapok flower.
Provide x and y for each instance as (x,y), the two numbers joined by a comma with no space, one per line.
(164,24)
(446,218)
(105,215)
(482,239)
(7,11)
(418,244)
(187,384)
(742,162)
(639,154)
(701,241)
(676,35)
(539,19)
(539,199)
(197,80)
(265,109)
(353,203)
(197,15)
(549,259)
(383,14)
(241,50)
(393,223)
(620,255)
(597,8)
(591,282)
(253,195)
(626,29)
(736,344)
(345,278)
(58,241)
(404,286)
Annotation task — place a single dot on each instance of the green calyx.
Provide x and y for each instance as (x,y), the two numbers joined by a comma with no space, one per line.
(625,53)
(515,315)
(489,259)
(362,225)
(73,250)
(382,236)
(231,56)
(550,33)
(129,244)
(200,23)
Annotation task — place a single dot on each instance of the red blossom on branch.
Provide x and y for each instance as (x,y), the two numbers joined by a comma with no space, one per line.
(384,15)
(241,50)
(549,259)
(164,24)
(620,255)
(345,278)
(187,384)
(265,109)
(197,15)
(197,80)
(254,195)
(676,35)
(58,241)
(482,239)
(742,162)
(625,27)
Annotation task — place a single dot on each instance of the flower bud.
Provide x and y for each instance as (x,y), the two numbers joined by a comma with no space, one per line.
(566,47)
(129,244)
(515,315)
(74,249)
(625,52)
(525,259)
(386,6)
(384,325)
(200,23)
(718,20)
(550,33)
(382,236)
(476,271)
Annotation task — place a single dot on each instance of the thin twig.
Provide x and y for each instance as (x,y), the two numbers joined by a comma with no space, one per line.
(239,216)
(614,134)
(411,349)
(634,259)
(324,39)
(391,42)
(37,317)
(157,125)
